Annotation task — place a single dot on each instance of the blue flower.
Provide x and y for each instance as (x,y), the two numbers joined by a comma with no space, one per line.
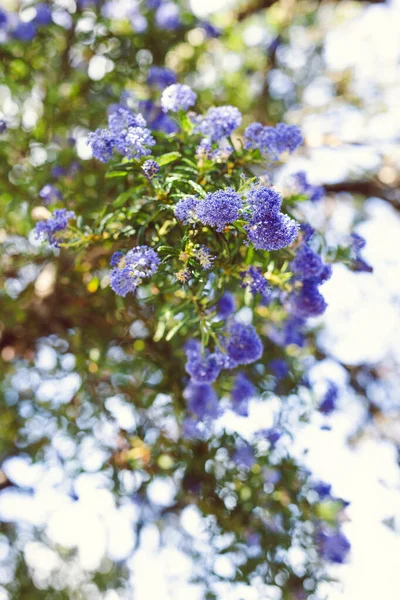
(186,209)
(202,366)
(49,193)
(226,305)
(219,122)
(241,393)
(333,547)
(167,16)
(190,429)
(307,263)
(25,32)
(273,141)
(204,257)
(359,264)
(102,144)
(328,403)
(264,202)
(279,368)
(121,118)
(139,263)
(254,280)
(177,97)
(307,301)
(243,345)
(220,208)
(323,489)
(3,19)
(202,400)
(161,77)
(3,126)
(43,14)
(150,169)
(51,228)
(157,120)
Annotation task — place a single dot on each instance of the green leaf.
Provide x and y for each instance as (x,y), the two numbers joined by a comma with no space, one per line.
(116,174)
(165,159)
(197,188)
(122,198)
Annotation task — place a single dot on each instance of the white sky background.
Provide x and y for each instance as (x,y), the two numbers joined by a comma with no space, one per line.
(362,324)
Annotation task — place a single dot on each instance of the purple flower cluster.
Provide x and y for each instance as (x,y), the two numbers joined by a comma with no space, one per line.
(333,546)
(220,208)
(254,280)
(177,97)
(290,333)
(310,269)
(244,456)
(204,257)
(150,169)
(279,368)
(272,141)
(161,77)
(268,228)
(243,345)
(51,228)
(202,366)
(241,393)
(156,119)
(130,269)
(202,400)
(219,122)
(186,210)
(314,192)
(168,16)
(127,135)
(328,403)
(49,193)
(226,305)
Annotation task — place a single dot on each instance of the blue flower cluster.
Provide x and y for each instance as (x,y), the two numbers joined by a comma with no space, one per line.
(244,455)
(254,280)
(178,96)
(127,134)
(272,140)
(312,272)
(268,228)
(168,16)
(186,209)
(130,269)
(202,400)
(204,257)
(51,228)
(219,122)
(241,393)
(226,305)
(156,118)
(220,208)
(279,368)
(49,193)
(243,345)
(333,546)
(161,77)
(328,403)
(150,169)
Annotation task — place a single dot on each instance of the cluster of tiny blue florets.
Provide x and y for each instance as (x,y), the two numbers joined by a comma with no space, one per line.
(161,77)
(220,208)
(314,192)
(131,268)
(254,280)
(51,228)
(150,169)
(219,122)
(241,393)
(309,268)
(49,193)
(127,134)
(177,97)
(272,140)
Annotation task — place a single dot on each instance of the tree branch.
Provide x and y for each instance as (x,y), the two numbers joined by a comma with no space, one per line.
(369,188)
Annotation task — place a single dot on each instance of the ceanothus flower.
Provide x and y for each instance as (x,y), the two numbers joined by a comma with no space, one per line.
(307,264)
(268,228)
(161,77)
(3,19)
(204,257)
(24,31)
(130,270)
(241,393)
(186,209)
(333,546)
(226,305)
(243,345)
(3,126)
(202,366)
(167,16)
(178,96)
(102,144)
(202,400)
(272,141)
(291,332)
(254,280)
(359,264)
(150,169)
(322,489)
(219,122)
(156,119)
(51,228)
(121,118)
(220,208)
(279,368)
(134,142)
(43,14)
(328,403)
(49,193)
(244,456)
(307,301)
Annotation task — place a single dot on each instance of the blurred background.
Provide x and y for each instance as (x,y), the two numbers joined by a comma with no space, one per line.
(333,68)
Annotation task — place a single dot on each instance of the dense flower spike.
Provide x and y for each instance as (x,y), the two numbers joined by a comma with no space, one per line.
(49,193)
(243,344)
(186,209)
(137,264)
(333,546)
(273,141)
(204,257)
(279,368)
(220,208)
(226,305)
(307,301)
(202,366)
(177,97)
(50,229)
(219,122)
(150,169)
(314,192)
(307,263)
